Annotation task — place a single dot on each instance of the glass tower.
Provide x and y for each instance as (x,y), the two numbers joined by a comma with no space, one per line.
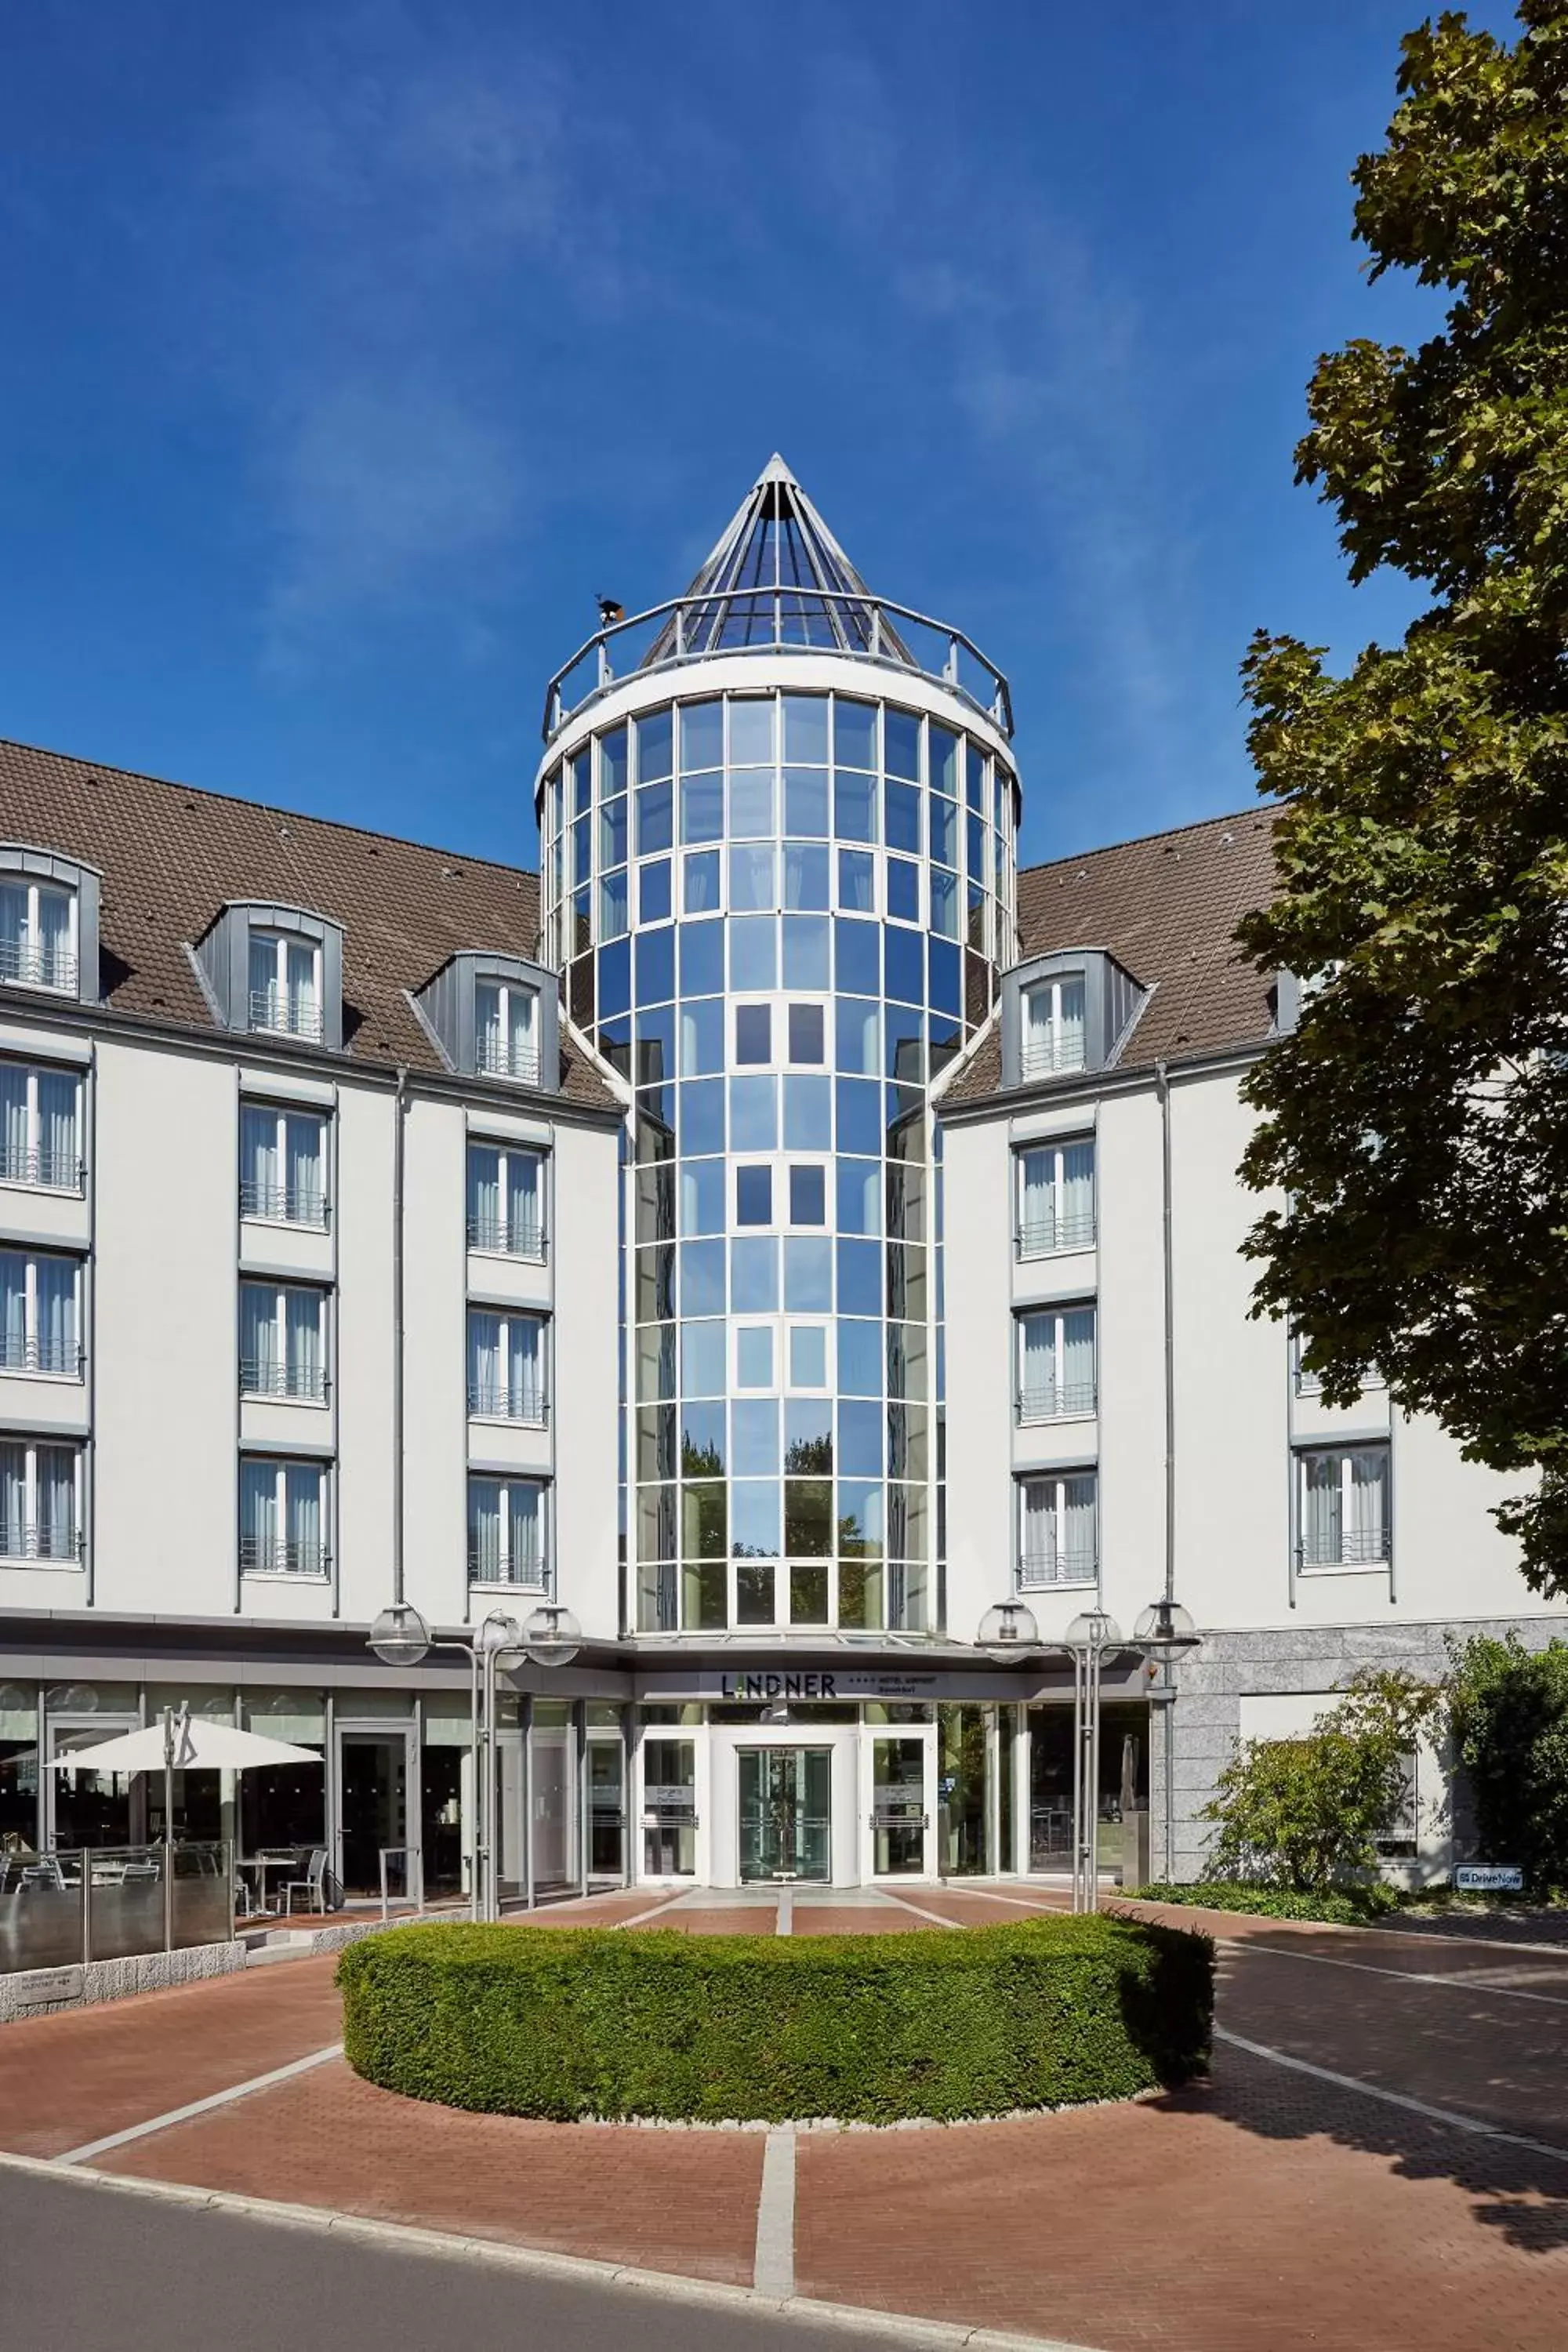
(778,821)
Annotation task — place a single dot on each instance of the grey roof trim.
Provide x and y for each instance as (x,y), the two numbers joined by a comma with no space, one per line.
(1090,1086)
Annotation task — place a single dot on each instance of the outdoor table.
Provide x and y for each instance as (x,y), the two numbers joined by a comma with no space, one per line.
(261,1863)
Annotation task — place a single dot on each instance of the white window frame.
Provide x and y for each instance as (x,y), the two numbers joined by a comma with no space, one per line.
(507,1317)
(32,1176)
(1059,1576)
(279,1010)
(29,1556)
(506,1482)
(535,1248)
(1064,1240)
(1037,1062)
(288,1212)
(281,1293)
(1304,1383)
(21,959)
(1375,1565)
(30,1368)
(281,1464)
(512,1059)
(1056,1316)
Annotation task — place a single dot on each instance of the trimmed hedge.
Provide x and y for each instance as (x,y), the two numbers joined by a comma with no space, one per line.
(569,2022)
(1340,1906)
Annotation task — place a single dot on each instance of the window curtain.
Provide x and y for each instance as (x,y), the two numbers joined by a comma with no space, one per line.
(60,1152)
(484,1196)
(258,1514)
(57,1279)
(302,1320)
(484,1362)
(526,1506)
(1039,1364)
(264,980)
(1038,1205)
(1078,1360)
(57,1502)
(258,1159)
(1069,1026)
(12,1122)
(519,1005)
(487,1028)
(1077,1549)
(1077,1228)
(526,1368)
(13,1308)
(486,1551)
(55,939)
(1321,1510)
(302,1141)
(12,926)
(300,978)
(1037,1537)
(1038,1028)
(524,1221)
(259,1337)
(14,1501)
(1367,1531)
(302,1507)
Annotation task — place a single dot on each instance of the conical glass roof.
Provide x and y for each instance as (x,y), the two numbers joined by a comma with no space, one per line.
(777,576)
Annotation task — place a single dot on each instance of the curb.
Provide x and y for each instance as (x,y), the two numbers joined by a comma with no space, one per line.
(1136,1906)
(668,2286)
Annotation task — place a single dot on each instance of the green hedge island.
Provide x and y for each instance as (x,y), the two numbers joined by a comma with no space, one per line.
(571,2023)
(1345,1907)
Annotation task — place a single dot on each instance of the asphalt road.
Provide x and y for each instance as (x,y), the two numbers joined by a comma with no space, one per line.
(88,2270)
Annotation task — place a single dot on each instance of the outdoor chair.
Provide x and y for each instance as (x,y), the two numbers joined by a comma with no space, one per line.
(312,1887)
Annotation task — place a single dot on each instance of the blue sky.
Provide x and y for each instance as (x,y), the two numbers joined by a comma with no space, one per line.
(349,352)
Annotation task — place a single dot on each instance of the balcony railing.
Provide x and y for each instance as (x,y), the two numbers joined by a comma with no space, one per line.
(284,1204)
(62,1359)
(507,1237)
(497,1401)
(50,1171)
(1043,1565)
(305,1383)
(1056,1401)
(499,1058)
(36,962)
(283,1556)
(39,1539)
(286,1011)
(1042,1236)
(490,1565)
(1344,1548)
(1048,1058)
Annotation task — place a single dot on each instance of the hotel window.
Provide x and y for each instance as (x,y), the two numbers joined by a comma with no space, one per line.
(283,1341)
(505,1030)
(1053,1030)
(282,1165)
(1059,1530)
(1307,1383)
(506,1200)
(283,1519)
(1343,1507)
(40,1314)
(506,1366)
(285,984)
(1057,1364)
(1056,1198)
(40,1128)
(40,1502)
(506,1531)
(39,934)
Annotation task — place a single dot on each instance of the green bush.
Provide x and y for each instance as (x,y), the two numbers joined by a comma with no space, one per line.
(1344,1906)
(568,2023)
(1508,1709)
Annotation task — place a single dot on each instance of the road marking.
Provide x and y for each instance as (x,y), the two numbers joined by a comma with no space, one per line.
(640,1918)
(784,1924)
(198,2106)
(920,1912)
(773,2267)
(1451,1983)
(1391,2098)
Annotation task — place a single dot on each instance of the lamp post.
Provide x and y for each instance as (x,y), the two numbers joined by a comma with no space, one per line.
(1163,1630)
(551,1637)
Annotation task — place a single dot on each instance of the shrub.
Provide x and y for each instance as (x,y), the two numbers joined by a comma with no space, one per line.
(1508,1711)
(568,2022)
(1344,1906)
(1305,1814)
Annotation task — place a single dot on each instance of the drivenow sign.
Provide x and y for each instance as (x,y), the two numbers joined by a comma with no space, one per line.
(1489,1878)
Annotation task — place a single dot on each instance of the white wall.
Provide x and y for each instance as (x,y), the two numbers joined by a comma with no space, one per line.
(585,1405)
(977,1227)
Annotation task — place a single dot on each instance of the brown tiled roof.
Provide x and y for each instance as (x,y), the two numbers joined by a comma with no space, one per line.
(171,856)
(1166,906)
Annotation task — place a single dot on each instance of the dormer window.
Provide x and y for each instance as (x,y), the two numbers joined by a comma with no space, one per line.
(1053,1034)
(285,984)
(275,970)
(506,1029)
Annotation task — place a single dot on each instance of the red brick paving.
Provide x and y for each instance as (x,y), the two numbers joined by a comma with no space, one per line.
(853,1919)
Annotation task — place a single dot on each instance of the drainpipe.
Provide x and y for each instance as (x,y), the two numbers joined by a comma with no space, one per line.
(1162,1088)
(397,1158)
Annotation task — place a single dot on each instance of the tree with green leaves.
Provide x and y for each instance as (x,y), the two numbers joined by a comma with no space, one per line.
(1416,1120)
(1509,1715)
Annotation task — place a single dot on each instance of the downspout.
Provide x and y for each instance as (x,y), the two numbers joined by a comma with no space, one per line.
(1163,1087)
(398,1159)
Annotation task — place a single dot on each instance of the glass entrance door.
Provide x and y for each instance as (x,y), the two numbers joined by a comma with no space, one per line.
(899,1819)
(785,1811)
(373,1809)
